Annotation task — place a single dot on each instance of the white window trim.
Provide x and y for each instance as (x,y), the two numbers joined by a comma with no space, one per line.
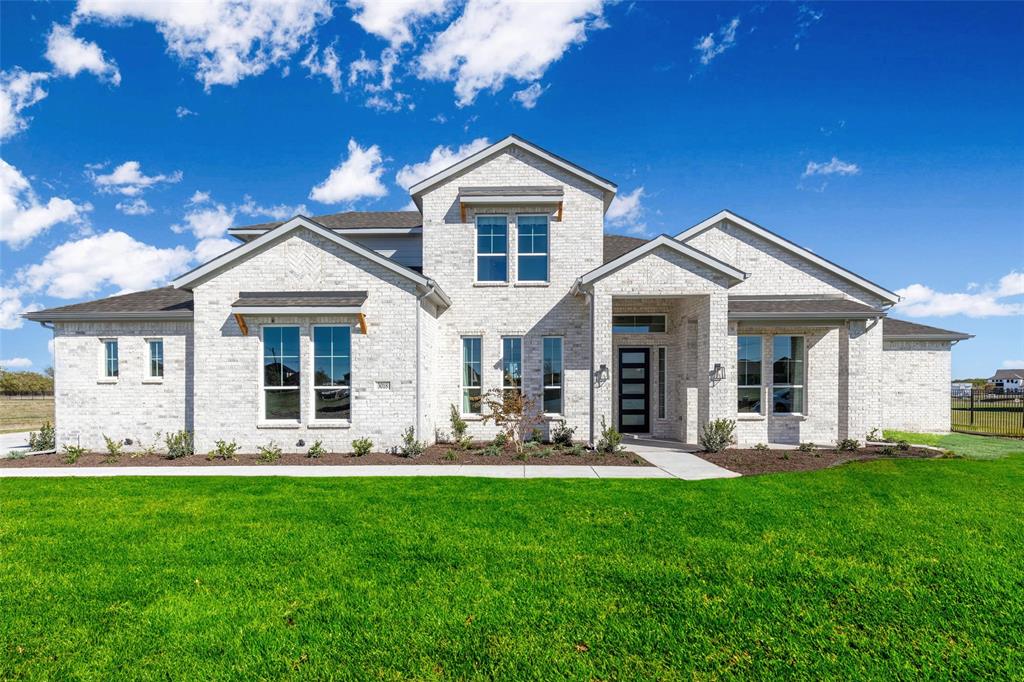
(663,316)
(760,387)
(662,374)
(546,254)
(773,385)
(476,251)
(504,388)
(262,417)
(148,376)
(561,364)
(312,374)
(103,378)
(462,375)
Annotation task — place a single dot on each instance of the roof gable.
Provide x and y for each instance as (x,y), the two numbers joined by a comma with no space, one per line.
(422,186)
(789,246)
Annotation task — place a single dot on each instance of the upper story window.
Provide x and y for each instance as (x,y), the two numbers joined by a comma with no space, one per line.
(533,248)
(512,363)
(492,248)
(110,363)
(471,375)
(156,358)
(332,373)
(748,374)
(638,324)
(281,373)
(788,374)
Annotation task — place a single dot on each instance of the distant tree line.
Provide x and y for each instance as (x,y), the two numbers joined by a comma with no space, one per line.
(12,383)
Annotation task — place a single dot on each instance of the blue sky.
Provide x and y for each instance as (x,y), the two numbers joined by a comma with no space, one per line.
(886,137)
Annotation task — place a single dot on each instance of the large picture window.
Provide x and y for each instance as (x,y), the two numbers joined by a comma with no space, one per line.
(748,373)
(533,248)
(788,374)
(492,248)
(281,373)
(332,373)
(110,362)
(552,375)
(512,363)
(471,375)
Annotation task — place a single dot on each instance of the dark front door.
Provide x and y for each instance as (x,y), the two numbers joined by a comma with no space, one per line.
(634,390)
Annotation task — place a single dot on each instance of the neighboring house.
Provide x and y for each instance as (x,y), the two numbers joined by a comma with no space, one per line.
(1009,380)
(961,389)
(361,324)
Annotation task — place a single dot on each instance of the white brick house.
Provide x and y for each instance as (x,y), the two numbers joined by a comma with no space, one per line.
(361,324)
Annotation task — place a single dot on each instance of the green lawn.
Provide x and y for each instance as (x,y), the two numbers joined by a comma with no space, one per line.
(884,570)
(974,447)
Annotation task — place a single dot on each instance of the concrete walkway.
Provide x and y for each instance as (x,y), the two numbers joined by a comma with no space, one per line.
(669,460)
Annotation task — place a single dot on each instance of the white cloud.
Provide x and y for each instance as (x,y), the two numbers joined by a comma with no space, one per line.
(11,308)
(381,98)
(199,197)
(23,216)
(1012,364)
(805,18)
(440,158)
(361,68)
(128,179)
(356,177)
(134,207)
(528,96)
(393,20)
(210,221)
(495,40)
(919,300)
(182,112)
(225,40)
(208,249)
(70,56)
(81,267)
(277,212)
(833,167)
(627,210)
(712,45)
(15,363)
(326,65)
(19,89)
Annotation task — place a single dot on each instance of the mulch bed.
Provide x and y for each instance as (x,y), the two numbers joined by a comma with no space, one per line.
(751,462)
(435,454)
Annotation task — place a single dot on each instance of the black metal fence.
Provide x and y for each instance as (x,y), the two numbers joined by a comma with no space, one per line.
(987,412)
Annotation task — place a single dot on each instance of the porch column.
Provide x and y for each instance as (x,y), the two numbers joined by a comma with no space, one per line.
(717,346)
(601,354)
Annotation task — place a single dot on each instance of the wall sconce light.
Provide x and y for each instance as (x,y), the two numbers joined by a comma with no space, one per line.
(603,374)
(718,373)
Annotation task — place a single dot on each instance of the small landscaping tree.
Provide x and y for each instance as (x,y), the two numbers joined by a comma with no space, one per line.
(610,440)
(513,413)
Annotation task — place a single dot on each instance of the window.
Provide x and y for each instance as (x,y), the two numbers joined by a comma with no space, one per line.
(156,358)
(638,324)
(788,374)
(662,389)
(110,367)
(281,373)
(471,375)
(332,373)
(552,375)
(512,363)
(492,248)
(533,248)
(748,374)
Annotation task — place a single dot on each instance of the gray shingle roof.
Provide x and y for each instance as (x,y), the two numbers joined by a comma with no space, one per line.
(512,191)
(1008,374)
(894,329)
(801,308)
(616,245)
(165,302)
(356,219)
(262,299)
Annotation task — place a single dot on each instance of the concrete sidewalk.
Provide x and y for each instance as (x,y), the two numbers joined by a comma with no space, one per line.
(17,442)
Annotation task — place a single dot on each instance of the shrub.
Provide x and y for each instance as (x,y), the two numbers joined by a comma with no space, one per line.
(874,435)
(410,447)
(492,450)
(16,454)
(611,440)
(847,445)
(223,451)
(459,424)
(762,447)
(500,440)
(114,448)
(179,444)
(45,439)
(316,450)
(72,453)
(451,455)
(577,450)
(363,446)
(562,434)
(536,435)
(465,442)
(806,447)
(888,451)
(717,435)
(902,445)
(269,453)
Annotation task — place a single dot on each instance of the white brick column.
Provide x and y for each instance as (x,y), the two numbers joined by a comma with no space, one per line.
(601,354)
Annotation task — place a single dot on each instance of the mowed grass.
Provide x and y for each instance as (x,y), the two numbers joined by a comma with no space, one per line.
(24,414)
(965,445)
(888,569)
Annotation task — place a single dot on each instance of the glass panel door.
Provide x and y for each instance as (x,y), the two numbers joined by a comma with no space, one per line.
(634,390)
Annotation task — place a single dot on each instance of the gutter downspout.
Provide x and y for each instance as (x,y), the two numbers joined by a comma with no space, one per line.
(593,347)
(419,383)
